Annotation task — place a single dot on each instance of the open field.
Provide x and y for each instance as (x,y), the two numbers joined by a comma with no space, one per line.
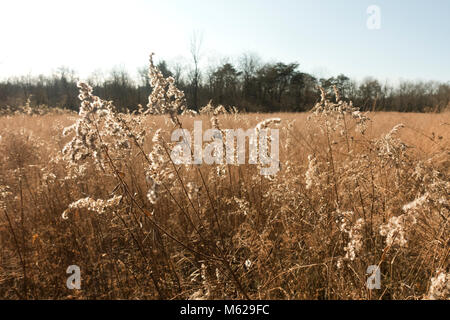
(101,196)
(242,153)
(309,232)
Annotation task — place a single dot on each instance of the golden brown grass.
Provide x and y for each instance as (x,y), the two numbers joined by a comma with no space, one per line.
(236,235)
(101,191)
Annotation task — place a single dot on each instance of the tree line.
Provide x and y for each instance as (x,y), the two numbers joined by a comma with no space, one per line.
(248,84)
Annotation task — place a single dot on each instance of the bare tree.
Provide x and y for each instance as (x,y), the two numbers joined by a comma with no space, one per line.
(177,72)
(196,46)
(249,63)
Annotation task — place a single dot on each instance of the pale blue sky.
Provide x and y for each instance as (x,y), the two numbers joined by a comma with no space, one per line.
(326,37)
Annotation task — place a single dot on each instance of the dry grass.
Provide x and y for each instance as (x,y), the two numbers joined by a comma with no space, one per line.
(342,201)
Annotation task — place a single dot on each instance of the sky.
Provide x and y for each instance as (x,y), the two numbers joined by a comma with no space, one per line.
(326,37)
